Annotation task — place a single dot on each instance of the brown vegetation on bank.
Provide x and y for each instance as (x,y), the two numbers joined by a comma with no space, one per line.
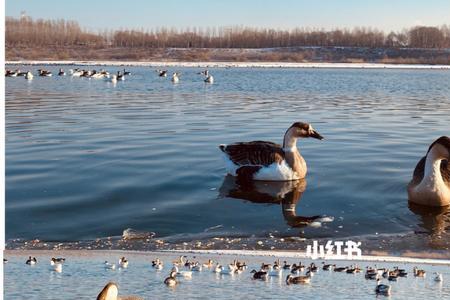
(66,40)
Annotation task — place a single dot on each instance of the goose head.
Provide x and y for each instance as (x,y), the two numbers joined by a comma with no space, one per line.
(109,292)
(303,130)
(440,148)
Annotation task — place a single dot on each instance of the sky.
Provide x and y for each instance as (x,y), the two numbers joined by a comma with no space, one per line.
(280,14)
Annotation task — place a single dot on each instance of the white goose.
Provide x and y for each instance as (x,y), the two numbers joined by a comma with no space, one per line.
(438,277)
(29,76)
(430,184)
(261,160)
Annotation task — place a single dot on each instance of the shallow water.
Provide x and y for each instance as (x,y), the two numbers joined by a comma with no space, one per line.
(87,159)
(83,276)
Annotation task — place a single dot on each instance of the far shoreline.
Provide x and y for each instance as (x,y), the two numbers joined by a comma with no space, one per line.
(225,64)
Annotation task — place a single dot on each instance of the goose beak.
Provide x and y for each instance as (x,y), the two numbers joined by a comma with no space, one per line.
(316,135)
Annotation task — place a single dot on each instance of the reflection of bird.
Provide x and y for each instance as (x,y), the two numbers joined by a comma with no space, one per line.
(261,160)
(433,219)
(288,193)
(430,184)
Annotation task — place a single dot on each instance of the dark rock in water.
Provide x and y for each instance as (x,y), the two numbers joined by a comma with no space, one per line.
(131,234)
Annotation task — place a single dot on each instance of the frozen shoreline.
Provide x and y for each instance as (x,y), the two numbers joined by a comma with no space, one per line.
(218,64)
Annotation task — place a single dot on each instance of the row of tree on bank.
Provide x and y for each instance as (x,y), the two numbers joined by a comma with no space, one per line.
(27,32)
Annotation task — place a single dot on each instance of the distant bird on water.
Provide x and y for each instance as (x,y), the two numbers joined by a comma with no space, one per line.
(162,73)
(31,261)
(175,77)
(430,184)
(260,160)
(209,79)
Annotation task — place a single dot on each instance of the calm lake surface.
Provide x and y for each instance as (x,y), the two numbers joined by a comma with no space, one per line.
(87,159)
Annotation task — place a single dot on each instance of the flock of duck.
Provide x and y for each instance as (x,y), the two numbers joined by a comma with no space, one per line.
(185,268)
(101,74)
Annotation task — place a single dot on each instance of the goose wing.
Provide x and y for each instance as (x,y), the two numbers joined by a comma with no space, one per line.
(259,153)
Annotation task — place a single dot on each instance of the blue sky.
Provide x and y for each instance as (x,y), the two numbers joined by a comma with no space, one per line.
(102,14)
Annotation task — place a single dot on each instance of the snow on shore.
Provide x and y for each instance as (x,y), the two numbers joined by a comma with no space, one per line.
(232,64)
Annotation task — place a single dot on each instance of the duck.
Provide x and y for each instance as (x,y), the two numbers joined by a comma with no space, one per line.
(29,76)
(123,262)
(209,79)
(382,289)
(61,72)
(298,279)
(175,77)
(261,275)
(45,73)
(171,280)
(111,292)
(31,261)
(162,73)
(419,273)
(109,266)
(430,184)
(340,269)
(327,267)
(260,160)
(286,266)
(438,277)
(120,76)
(58,260)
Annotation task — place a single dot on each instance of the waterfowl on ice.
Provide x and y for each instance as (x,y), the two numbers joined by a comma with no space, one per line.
(260,160)
(430,184)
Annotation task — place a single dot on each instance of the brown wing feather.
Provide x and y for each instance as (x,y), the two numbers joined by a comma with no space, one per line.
(257,153)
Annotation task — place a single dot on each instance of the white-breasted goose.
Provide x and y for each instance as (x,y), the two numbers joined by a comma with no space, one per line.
(209,79)
(171,280)
(260,160)
(382,289)
(31,261)
(430,184)
(175,77)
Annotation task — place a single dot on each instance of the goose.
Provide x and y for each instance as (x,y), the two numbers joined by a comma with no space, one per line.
(208,264)
(111,292)
(209,79)
(419,273)
(110,266)
(218,268)
(228,270)
(260,160)
(157,264)
(298,279)
(21,74)
(430,184)
(31,261)
(171,280)
(61,72)
(382,289)
(175,77)
(438,277)
(401,272)
(127,73)
(265,267)
(340,269)
(77,73)
(259,275)
(97,75)
(312,267)
(197,267)
(29,76)
(123,262)
(5,261)
(184,274)
(162,73)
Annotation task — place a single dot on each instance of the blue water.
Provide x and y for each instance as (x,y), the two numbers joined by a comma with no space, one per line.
(86,158)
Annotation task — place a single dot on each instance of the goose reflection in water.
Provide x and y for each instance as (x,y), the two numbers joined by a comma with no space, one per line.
(436,222)
(286,193)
